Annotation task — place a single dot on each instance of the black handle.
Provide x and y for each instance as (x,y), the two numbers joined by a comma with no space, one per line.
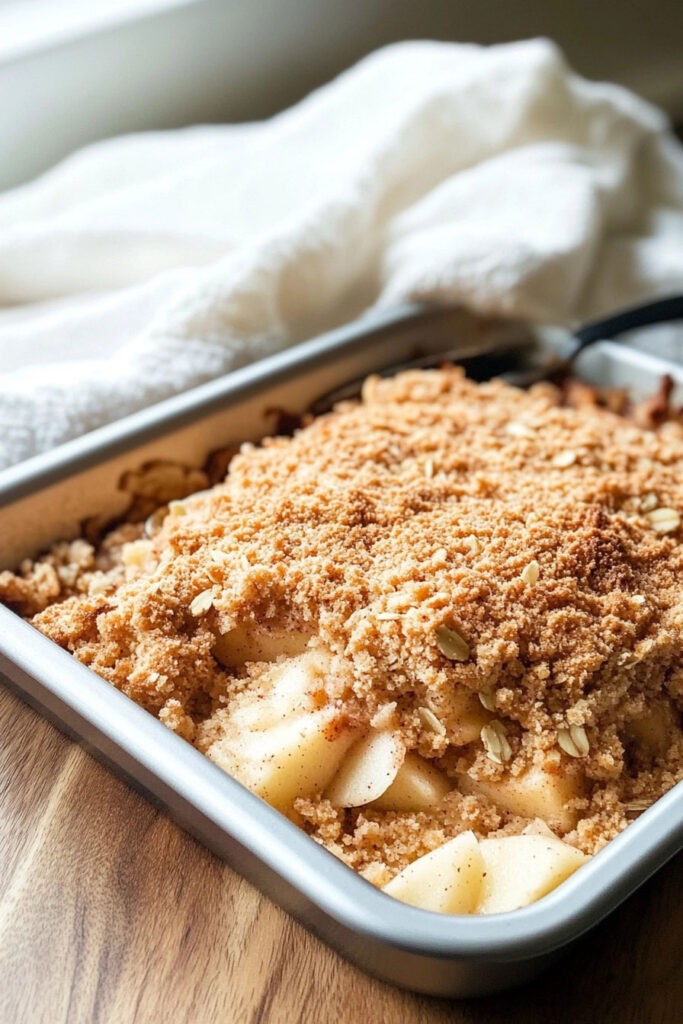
(656,312)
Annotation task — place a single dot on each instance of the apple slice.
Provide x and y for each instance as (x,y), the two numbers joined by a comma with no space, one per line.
(293,683)
(295,758)
(283,690)
(258,643)
(522,869)
(369,770)
(448,880)
(467,718)
(533,794)
(417,787)
(653,729)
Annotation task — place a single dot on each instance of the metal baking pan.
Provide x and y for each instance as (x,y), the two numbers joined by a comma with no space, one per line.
(47,497)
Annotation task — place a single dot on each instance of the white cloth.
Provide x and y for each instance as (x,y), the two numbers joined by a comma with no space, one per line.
(495,177)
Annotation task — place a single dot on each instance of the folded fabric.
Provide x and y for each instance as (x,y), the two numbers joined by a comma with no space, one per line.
(493,177)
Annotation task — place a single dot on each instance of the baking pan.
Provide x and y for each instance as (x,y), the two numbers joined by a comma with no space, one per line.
(47,497)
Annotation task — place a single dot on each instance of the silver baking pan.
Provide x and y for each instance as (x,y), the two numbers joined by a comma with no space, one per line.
(47,498)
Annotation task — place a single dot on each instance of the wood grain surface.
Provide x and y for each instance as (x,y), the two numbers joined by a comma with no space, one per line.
(110,913)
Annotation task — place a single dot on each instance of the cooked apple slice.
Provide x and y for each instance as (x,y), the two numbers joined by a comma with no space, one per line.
(537,827)
(284,689)
(369,769)
(258,643)
(295,758)
(417,787)
(449,880)
(533,794)
(522,869)
(469,716)
(293,684)
(654,729)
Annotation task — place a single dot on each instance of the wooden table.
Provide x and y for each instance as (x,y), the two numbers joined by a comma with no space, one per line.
(110,913)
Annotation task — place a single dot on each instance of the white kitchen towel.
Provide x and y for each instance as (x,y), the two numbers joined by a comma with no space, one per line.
(490,176)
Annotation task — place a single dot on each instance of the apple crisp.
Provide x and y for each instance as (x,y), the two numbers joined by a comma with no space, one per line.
(432,621)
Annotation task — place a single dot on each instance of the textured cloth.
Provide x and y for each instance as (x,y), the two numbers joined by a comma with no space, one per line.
(495,177)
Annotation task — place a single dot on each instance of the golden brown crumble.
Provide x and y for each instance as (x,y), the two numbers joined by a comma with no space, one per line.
(441,539)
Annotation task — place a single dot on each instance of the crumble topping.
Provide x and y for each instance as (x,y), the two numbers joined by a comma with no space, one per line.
(494,573)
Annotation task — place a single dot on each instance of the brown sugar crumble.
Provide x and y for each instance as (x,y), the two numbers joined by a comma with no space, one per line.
(494,574)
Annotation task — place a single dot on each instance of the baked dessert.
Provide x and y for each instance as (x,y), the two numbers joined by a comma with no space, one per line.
(440,628)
